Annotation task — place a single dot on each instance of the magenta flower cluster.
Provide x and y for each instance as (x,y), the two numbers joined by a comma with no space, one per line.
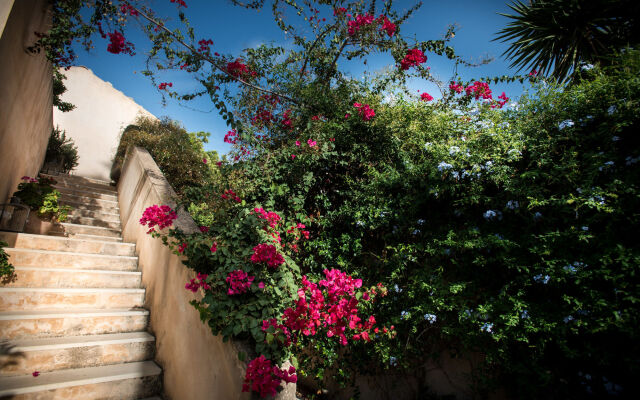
(264,378)
(366,112)
(272,218)
(239,282)
(160,216)
(413,58)
(268,254)
(330,304)
(197,283)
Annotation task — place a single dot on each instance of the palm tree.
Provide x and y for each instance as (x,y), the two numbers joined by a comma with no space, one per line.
(557,36)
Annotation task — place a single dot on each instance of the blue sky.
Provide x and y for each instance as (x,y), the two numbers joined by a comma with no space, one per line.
(233,29)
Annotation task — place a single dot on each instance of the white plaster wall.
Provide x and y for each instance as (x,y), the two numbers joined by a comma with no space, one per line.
(95,125)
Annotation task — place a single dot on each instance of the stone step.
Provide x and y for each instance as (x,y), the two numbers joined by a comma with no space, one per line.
(50,354)
(95,237)
(93,222)
(52,323)
(61,243)
(67,259)
(86,193)
(81,181)
(104,216)
(75,186)
(74,229)
(129,381)
(31,298)
(63,277)
(80,205)
(65,197)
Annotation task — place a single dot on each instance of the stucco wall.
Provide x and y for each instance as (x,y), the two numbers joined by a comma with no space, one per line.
(25,94)
(196,365)
(95,125)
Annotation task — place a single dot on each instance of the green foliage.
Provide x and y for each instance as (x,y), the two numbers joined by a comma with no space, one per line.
(179,154)
(515,229)
(6,269)
(58,89)
(41,197)
(559,36)
(61,151)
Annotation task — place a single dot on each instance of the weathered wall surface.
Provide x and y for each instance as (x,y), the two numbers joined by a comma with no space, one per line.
(25,93)
(95,125)
(196,365)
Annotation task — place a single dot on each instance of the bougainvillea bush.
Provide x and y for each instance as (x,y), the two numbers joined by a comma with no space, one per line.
(357,228)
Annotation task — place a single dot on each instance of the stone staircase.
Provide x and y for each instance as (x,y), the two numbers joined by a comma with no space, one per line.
(74,313)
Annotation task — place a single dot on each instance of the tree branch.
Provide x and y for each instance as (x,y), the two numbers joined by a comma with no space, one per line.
(213,62)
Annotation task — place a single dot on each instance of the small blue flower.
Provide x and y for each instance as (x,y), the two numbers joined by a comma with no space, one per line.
(453,150)
(537,216)
(487,327)
(447,251)
(514,152)
(397,288)
(443,166)
(512,204)
(567,123)
(359,223)
(415,232)
(431,318)
(631,160)
(455,174)
(404,315)
(612,110)
(585,228)
(615,138)
(393,361)
(524,314)
(427,145)
(570,268)
(500,237)
(544,279)
(568,319)
(468,313)
(490,215)
(421,222)
(587,67)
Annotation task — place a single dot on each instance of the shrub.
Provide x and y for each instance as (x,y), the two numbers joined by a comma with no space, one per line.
(179,154)
(61,151)
(508,233)
(6,269)
(41,197)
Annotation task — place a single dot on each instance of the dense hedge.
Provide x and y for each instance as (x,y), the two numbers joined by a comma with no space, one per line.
(506,232)
(178,153)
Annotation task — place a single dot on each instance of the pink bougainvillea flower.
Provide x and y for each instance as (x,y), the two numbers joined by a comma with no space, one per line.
(204,160)
(164,85)
(214,247)
(268,254)
(229,137)
(239,282)
(182,247)
(479,89)
(387,25)
(297,143)
(35,373)
(264,378)
(413,58)
(312,143)
(293,156)
(365,111)
(347,115)
(426,97)
(162,216)
(456,87)
(204,45)
(261,285)
(118,44)
(180,3)
(204,229)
